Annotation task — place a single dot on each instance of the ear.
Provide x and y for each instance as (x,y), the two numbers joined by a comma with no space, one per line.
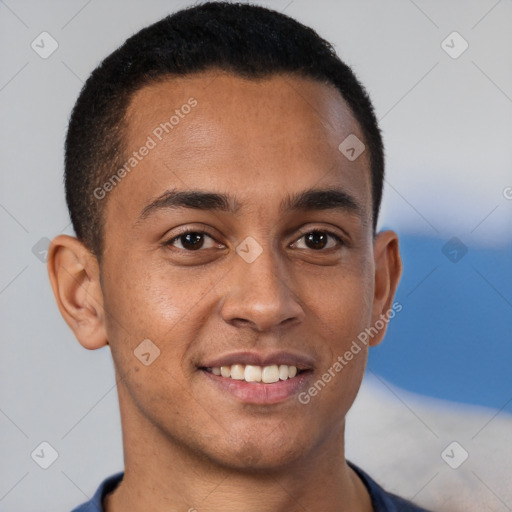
(74,276)
(388,269)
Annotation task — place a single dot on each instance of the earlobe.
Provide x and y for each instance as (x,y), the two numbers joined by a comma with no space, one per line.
(388,269)
(74,276)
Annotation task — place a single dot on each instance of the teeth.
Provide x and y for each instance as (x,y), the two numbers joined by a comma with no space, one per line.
(252,373)
(237,372)
(270,374)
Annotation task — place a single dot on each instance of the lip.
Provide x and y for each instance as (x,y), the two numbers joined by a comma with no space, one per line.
(301,361)
(258,393)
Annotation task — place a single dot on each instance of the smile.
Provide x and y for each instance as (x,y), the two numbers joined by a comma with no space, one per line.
(261,377)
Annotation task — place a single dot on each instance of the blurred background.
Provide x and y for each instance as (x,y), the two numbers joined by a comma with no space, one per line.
(433,421)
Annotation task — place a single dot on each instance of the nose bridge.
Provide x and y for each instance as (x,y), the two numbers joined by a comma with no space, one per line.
(258,292)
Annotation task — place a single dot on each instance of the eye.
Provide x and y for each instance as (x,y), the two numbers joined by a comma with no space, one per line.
(192,241)
(318,240)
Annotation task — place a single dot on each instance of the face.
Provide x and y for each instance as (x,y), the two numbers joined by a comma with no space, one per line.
(242,239)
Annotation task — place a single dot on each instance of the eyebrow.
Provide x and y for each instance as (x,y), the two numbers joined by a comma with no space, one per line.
(195,199)
(311,199)
(323,199)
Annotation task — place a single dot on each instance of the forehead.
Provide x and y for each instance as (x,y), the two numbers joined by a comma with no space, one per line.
(316,108)
(220,130)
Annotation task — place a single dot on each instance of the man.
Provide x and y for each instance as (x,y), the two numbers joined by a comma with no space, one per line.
(224,174)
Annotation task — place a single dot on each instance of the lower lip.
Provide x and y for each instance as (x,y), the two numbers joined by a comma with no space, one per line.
(258,392)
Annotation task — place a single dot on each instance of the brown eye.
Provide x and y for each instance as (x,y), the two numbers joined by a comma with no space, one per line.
(318,240)
(192,241)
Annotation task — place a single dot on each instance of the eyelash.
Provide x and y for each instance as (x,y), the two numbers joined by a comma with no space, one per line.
(201,232)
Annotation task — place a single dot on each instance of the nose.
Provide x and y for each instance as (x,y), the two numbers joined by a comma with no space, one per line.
(259,295)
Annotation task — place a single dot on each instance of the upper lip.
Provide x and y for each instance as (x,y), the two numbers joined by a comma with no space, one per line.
(301,361)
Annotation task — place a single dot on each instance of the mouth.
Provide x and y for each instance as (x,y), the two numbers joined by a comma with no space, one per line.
(251,378)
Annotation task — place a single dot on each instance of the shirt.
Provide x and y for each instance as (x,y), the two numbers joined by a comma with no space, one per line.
(382,501)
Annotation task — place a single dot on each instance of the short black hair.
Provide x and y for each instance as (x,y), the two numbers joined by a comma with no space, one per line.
(246,40)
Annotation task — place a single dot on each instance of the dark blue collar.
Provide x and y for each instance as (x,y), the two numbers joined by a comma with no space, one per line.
(382,501)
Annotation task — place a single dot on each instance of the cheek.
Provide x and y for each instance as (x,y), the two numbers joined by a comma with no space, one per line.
(345,313)
(345,356)
(341,305)
(150,299)
(151,303)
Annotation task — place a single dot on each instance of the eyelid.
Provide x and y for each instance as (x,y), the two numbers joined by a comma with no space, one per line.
(320,229)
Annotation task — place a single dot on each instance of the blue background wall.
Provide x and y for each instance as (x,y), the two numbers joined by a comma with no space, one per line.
(453,338)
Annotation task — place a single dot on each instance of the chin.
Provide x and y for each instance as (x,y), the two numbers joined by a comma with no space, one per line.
(255,460)
(259,452)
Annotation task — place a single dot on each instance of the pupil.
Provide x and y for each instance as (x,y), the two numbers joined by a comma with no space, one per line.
(317,240)
(192,240)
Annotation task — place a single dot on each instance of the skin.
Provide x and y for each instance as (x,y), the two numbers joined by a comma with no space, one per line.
(186,444)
